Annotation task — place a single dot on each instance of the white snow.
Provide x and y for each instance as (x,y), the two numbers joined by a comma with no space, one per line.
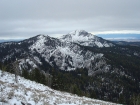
(37,59)
(39,45)
(83,38)
(23,63)
(29,92)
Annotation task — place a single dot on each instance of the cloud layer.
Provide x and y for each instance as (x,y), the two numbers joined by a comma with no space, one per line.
(25,18)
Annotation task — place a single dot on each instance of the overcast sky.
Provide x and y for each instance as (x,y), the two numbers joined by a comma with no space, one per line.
(26,18)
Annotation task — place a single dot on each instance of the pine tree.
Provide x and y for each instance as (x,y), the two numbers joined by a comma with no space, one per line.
(3,68)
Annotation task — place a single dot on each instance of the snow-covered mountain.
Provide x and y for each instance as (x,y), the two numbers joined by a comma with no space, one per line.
(66,53)
(86,39)
(111,67)
(27,92)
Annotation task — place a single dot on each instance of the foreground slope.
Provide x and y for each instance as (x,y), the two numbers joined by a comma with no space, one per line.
(27,92)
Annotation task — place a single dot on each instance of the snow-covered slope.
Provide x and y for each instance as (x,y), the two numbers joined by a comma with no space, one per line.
(27,92)
(66,56)
(86,39)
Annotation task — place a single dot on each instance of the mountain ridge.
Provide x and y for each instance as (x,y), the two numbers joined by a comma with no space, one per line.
(64,54)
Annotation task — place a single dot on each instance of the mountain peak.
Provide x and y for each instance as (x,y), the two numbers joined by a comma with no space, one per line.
(79,32)
(41,36)
(86,39)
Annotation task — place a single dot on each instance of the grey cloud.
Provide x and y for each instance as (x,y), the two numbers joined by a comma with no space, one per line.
(31,17)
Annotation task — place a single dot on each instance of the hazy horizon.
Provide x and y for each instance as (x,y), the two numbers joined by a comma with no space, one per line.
(113,37)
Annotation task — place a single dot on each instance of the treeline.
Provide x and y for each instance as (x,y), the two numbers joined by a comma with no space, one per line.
(71,81)
(106,86)
(36,75)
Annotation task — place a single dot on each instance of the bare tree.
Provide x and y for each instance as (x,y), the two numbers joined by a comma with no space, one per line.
(49,80)
(16,69)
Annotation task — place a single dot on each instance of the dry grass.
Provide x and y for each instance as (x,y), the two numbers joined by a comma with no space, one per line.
(3,99)
(28,89)
(10,94)
(1,82)
(14,86)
